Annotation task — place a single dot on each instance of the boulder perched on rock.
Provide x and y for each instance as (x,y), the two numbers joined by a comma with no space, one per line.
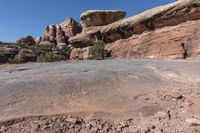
(101,17)
(168,15)
(28,40)
(60,33)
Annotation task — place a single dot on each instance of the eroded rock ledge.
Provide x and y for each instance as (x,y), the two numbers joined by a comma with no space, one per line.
(101,17)
(169,31)
(168,15)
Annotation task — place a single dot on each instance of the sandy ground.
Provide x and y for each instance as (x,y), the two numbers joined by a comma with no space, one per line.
(157,92)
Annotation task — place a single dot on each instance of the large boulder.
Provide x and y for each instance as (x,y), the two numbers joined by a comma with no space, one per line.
(28,40)
(177,42)
(163,16)
(101,17)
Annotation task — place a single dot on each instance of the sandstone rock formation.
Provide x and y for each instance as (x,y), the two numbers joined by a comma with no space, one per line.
(28,40)
(179,42)
(26,55)
(80,53)
(59,33)
(169,31)
(101,17)
(152,21)
(8,50)
(49,34)
(168,15)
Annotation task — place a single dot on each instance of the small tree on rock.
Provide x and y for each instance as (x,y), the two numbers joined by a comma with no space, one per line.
(97,50)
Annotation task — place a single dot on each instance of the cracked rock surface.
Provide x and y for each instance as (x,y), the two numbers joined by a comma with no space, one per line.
(101,96)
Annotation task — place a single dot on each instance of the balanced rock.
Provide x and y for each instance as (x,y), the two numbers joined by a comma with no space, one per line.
(101,17)
(28,40)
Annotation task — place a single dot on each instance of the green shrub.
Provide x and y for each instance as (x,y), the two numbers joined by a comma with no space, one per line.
(66,49)
(14,60)
(47,57)
(7,43)
(97,51)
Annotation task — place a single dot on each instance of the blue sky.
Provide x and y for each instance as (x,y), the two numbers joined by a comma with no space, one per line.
(29,17)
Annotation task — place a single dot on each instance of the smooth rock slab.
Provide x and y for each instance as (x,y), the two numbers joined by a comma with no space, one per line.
(194,109)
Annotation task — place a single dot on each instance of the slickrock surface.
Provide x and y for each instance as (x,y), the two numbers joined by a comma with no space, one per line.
(101,96)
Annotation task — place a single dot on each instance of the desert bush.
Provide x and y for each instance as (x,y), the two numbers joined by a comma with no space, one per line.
(97,51)
(47,57)
(15,60)
(8,43)
(66,49)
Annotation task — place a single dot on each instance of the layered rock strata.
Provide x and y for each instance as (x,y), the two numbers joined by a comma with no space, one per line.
(168,15)
(100,17)
(169,31)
